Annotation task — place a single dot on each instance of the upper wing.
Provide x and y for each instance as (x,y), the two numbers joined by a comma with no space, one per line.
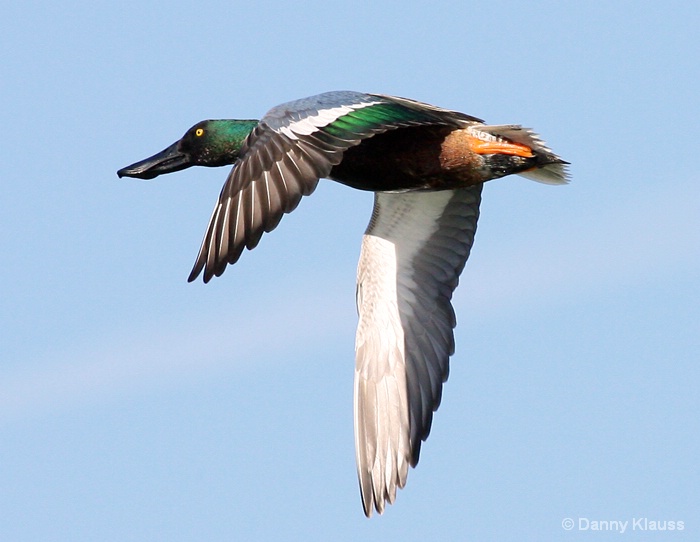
(412,255)
(282,160)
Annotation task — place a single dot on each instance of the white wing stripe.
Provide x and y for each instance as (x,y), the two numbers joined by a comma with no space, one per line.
(324,117)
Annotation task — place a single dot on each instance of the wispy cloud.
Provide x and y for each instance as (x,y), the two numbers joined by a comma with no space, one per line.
(166,354)
(653,234)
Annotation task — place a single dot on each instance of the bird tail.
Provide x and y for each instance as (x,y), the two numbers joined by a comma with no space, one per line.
(550,168)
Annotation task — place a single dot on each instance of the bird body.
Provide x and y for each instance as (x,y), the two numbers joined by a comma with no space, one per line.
(426,166)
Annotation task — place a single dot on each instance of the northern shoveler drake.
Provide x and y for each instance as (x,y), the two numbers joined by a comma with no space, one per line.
(426,167)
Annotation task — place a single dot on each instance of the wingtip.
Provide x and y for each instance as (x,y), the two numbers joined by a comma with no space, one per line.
(196,270)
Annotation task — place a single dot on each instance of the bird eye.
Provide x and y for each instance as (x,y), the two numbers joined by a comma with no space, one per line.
(199,132)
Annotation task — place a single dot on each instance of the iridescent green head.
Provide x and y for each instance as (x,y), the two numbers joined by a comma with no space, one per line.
(210,143)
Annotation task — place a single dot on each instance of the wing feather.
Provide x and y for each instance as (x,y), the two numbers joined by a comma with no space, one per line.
(412,255)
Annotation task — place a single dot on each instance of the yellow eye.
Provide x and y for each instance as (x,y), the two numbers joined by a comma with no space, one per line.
(199,132)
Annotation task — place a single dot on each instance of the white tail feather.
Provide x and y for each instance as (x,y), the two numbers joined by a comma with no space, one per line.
(556,173)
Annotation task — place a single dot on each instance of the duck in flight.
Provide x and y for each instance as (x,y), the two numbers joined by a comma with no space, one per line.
(426,166)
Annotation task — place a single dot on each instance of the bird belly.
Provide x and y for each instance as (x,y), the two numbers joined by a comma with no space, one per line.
(415,158)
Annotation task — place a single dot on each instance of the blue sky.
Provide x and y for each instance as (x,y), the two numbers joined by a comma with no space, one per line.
(135,406)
